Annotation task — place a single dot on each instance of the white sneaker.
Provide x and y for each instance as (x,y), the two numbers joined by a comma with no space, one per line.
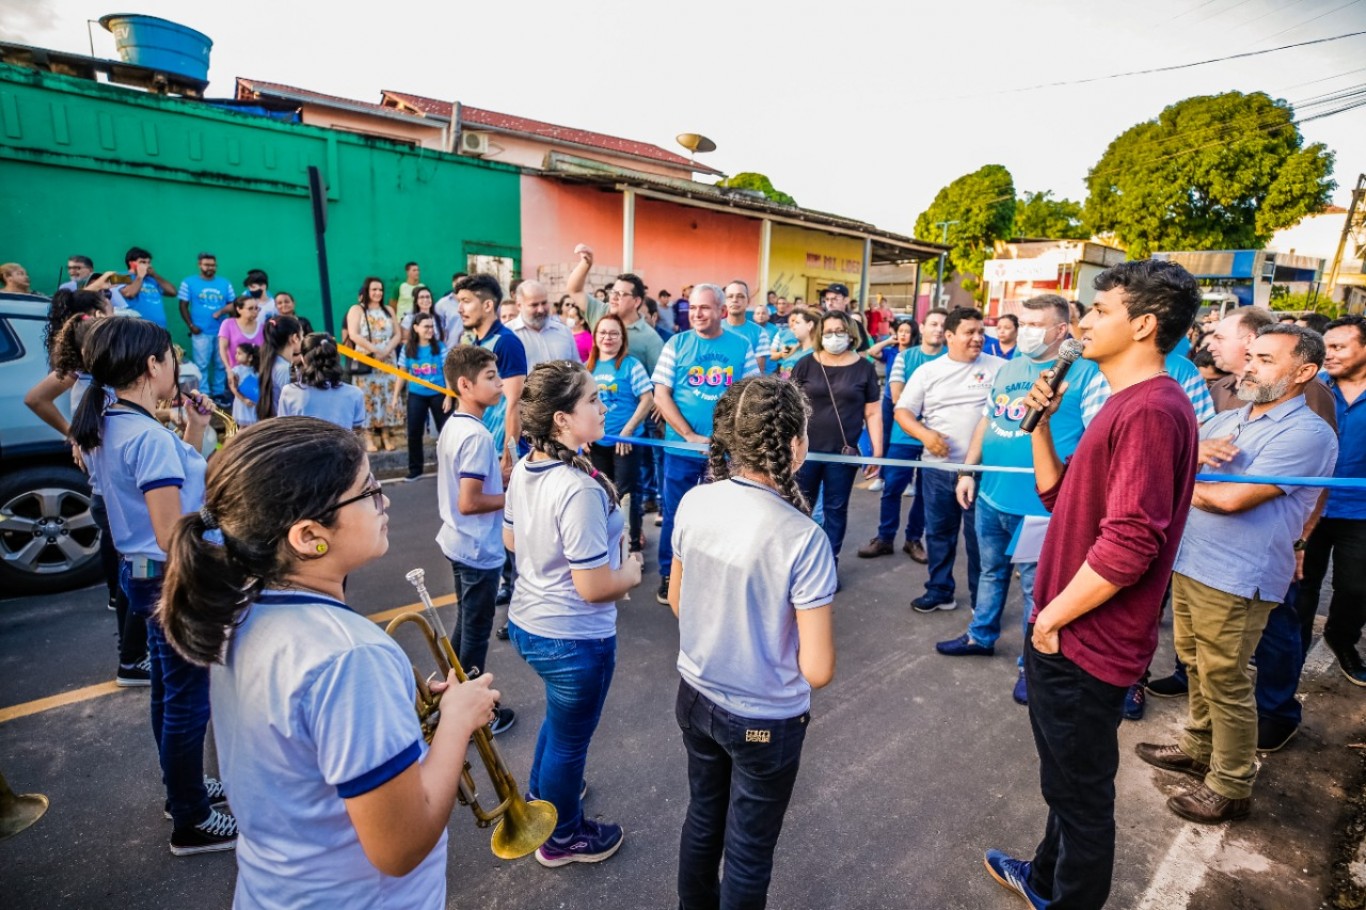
(910,491)
(877,484)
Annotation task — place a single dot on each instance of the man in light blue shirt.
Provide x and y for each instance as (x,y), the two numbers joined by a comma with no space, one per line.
(205,301)
(1004,500)
(144,289)
(738,321)
(1236,562)
(695,368)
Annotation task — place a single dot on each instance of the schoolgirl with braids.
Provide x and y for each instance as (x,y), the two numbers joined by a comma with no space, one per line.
(339,801)
(280,343)
(563,522)
(150,478)
(755,637)
(319,391)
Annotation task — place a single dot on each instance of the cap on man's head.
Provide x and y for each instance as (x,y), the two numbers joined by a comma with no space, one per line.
(841,289)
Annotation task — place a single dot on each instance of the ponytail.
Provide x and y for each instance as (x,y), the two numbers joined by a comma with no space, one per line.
(553,387)
(276,334)
(115,353)
(210,584)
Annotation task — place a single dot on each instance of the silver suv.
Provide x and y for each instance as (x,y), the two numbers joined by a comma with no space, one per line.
(48,539)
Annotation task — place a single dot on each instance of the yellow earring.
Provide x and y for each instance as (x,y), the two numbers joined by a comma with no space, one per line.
(321,548)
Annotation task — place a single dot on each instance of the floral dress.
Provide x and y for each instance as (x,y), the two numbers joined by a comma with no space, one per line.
(378,327)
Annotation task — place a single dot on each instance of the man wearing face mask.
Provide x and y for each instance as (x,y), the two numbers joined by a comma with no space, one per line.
(1003,500)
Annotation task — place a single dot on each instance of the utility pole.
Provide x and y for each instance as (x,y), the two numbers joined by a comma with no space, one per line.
(1348,229)
(939,278)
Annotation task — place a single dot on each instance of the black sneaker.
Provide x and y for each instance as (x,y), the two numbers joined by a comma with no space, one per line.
(218,795)
(136,676)
(502,632)
(1273,733)
(594,842)
(662,595)
(504,596)
(502,721)
(1168,687)
(215,833)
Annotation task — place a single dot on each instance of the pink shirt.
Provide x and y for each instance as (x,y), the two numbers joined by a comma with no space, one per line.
(585,342)
(231,331)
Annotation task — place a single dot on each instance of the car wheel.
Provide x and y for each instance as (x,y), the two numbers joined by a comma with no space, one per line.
(48,538)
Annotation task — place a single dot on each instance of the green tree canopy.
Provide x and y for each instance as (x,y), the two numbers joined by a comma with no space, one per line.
(1040,216)
(983,205)
(750,180)
(1213,172)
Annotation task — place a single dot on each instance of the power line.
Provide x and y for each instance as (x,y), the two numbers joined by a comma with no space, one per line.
(1315,19)
(1179,66)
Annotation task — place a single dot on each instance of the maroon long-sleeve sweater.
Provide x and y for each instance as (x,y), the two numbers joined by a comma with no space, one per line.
(1121,506)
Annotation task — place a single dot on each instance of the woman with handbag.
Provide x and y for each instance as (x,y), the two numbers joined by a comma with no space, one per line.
(372,329)
(842,388)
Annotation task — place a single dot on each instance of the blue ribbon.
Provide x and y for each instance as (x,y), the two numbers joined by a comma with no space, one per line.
(1332,483)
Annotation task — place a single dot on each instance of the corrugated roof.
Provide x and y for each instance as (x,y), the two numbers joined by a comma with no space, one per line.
(249,88)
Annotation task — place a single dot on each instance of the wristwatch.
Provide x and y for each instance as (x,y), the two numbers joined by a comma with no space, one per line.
(962,474)
(1300,545)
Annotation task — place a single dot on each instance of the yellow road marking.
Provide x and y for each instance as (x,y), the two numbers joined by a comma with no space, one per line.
(99,690)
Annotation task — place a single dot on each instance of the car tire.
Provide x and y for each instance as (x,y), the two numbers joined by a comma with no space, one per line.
(49,541)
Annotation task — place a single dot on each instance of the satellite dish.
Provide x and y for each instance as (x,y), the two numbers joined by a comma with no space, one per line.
(695,142)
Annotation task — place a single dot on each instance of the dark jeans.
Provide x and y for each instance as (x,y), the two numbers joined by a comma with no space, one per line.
(180,708)
(132,627)
(1279,659)
(577,674)
(475,591)
(943,519)
(681,474)
(625,473)
(419,406)
(888,420)
(740,777)
(832,483)
(1345,540)
(1075,718)
(651,466)
(895,480)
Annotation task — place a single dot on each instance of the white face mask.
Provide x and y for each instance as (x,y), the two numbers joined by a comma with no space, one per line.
(835,344)
(1031,340)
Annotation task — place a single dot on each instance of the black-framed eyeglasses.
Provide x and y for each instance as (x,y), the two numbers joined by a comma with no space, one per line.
(372,490)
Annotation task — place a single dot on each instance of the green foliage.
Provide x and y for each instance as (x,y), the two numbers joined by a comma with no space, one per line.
(1304,302)
(1215,172)
(750,180)
(983,205)
(1040,216)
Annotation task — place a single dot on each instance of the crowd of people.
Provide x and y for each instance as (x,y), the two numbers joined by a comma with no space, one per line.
(744,425)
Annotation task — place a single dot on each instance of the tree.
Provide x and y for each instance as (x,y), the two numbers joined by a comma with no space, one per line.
(1040,216)
(983,206)
(750,180)
(1212,172)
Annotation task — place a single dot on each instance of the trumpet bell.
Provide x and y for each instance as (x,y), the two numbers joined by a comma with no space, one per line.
(524,827)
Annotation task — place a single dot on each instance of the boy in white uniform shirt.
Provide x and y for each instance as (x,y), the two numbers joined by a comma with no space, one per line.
(469,484)
(948,394)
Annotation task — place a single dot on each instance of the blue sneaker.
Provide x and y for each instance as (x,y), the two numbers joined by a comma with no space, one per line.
(1013,875)
(1021,694)
(963,646)
(1134,701)
(594,842)
(930,603)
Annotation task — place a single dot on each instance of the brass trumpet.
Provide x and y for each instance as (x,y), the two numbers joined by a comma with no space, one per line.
(521,826)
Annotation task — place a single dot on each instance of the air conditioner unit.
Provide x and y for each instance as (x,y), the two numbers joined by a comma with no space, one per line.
(474,143)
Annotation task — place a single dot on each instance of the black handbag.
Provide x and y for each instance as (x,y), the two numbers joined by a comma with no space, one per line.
(355,367)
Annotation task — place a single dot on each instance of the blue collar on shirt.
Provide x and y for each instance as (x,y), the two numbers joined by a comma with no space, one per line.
(496,329)
(274,597)
(543,465)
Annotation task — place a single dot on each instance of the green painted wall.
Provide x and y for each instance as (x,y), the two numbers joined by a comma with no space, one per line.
(94,169)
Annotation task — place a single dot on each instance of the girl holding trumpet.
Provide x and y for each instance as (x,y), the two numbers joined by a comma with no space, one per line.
(340,803)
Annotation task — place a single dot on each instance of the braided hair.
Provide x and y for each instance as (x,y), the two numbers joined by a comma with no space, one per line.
(752,429)
(554,387)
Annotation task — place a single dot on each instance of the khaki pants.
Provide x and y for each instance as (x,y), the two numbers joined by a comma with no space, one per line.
(1216,635)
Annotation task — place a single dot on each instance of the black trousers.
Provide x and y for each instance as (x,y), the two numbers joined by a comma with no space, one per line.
(625,473)
(1344,539)
(419,406)
(1075,718)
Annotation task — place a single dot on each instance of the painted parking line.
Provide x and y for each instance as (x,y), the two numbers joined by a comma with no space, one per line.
(99,690)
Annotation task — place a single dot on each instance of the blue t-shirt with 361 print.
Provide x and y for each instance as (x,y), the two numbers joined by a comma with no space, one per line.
(426,365)
(620,388)
(698,371)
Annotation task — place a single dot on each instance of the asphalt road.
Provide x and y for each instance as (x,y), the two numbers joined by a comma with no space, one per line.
(914,765)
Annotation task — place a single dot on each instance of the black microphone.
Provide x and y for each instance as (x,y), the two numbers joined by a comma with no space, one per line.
(1068,353)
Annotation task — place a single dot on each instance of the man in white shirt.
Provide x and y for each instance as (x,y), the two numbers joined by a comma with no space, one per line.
(544,338)
(949,394)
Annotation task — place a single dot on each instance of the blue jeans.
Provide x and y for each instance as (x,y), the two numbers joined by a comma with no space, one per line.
(180,708)
(204,352)
(831,484)
(739,785)
(895,480)
(995,531)
(475,592)
(943,518)
(577,674)
(887,421)
(681,474)
(1280,658)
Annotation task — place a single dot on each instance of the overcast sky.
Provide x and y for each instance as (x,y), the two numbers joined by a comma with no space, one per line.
(857,107)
